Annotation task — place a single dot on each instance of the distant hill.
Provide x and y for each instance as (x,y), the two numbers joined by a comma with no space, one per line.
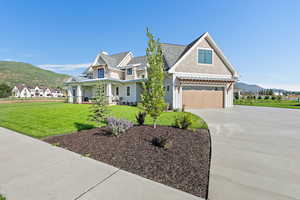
(248,87)
(14,73)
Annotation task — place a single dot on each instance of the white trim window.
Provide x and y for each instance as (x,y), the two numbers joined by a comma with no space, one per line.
(129,71)
(205,56)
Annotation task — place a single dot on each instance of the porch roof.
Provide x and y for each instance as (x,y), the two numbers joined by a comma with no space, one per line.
(102,79)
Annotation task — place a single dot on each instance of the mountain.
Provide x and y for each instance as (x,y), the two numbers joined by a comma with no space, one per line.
(14,73)
(248,87)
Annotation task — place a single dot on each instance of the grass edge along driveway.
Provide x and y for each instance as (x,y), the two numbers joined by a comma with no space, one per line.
(40,120)
(268,103)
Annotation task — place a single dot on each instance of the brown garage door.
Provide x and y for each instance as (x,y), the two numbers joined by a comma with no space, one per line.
(203,97)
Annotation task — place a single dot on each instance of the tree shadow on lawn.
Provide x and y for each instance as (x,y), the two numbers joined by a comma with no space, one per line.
(81,126)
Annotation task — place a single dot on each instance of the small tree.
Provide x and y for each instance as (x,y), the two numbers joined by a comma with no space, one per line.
(5,90)
(99,107)
(152,97)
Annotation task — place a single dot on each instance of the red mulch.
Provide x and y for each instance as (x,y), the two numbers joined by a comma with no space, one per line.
(185,165)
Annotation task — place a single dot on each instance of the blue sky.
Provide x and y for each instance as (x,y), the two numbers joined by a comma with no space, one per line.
(260,37)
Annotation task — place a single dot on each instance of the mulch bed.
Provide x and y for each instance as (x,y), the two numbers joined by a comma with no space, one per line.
(184,165)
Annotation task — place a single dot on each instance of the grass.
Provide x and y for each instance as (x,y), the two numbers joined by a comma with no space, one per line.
(32,98)
(268,103)
(46,119)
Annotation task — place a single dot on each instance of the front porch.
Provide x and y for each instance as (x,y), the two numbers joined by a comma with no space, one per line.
(116,93)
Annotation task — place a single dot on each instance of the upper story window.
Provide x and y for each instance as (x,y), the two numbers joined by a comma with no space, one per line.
(129,71)
(205,56)
(101,73)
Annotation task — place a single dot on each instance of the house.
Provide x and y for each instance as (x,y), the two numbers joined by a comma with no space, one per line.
(197,75)
(56,93)
(278,93)
(23,91)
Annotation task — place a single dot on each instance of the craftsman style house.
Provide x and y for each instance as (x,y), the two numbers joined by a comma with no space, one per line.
(198,75)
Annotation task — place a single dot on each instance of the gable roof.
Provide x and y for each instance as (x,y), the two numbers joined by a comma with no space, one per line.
(120,56)
(111,60)
(171,53)
(142,60)
(194,43)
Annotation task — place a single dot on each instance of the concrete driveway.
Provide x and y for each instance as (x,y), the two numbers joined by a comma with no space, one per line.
(34,170)
(255,153)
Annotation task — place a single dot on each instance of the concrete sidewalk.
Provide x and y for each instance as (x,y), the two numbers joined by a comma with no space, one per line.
(31,169)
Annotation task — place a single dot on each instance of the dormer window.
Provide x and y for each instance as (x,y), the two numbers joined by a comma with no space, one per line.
(101,73)
(129,71)
(205,56)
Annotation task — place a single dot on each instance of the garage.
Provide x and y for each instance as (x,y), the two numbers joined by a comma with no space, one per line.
(202,97)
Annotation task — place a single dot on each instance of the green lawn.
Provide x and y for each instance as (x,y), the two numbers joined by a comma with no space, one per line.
(268,103)
(45,119)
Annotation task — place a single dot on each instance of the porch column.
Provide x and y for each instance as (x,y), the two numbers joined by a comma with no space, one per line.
(180,97)
(109,92)
(70,94)
(79,94)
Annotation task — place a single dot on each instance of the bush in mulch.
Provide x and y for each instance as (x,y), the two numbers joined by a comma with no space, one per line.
(184,164)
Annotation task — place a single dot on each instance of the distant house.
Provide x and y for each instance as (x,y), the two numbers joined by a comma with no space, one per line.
(278,93)
(23,91)
(57,93)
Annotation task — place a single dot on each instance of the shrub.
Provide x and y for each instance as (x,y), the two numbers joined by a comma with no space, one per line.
(161,142)
(176,110)
(118,126)
(267,97)
(184,122)
(279,98)
(273,98)
(167,107)
(140,106)
(2,197)
(140,118)
(259,97)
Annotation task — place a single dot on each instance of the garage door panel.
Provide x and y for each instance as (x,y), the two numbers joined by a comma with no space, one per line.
(195,98)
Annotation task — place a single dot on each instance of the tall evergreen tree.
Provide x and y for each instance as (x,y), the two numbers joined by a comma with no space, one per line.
(98,112)
(153,88)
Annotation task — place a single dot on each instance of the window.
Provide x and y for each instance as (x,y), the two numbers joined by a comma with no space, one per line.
(204,56)
(129,71)
(168,88)
(128,91)
(143,76)
(101,73)
(117,91)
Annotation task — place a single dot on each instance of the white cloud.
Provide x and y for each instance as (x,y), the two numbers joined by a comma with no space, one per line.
(7,59)
(66,67)
(292,87)
(71,69)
